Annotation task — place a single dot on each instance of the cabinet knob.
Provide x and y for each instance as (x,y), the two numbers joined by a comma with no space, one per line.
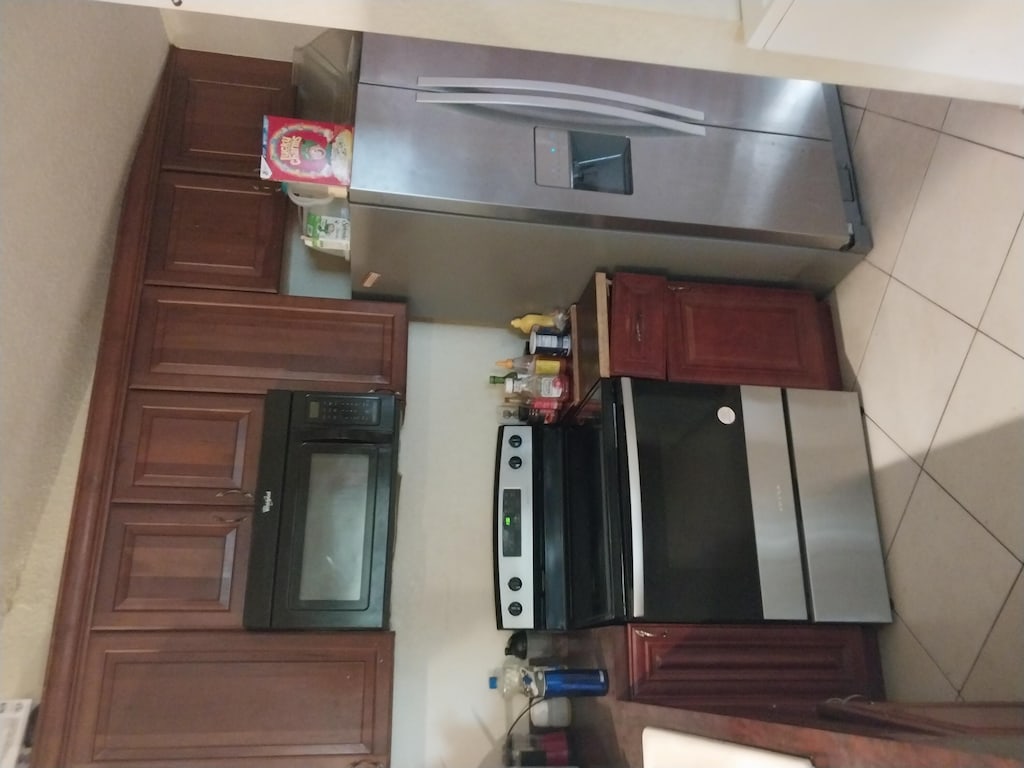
(176,3)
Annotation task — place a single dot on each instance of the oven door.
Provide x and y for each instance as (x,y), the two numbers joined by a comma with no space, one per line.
(334,536)
(708,500)
(596,551)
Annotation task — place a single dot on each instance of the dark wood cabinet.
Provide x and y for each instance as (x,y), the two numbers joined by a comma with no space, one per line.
(189,448)
(232,342)
(216,108)
(173,567)
(745,335)
(636,333)
(216,232)
(648,326)
(149,664)
(723,667)
(233,699)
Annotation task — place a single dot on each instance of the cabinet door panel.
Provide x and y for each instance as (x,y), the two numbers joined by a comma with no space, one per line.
(636,322)
(736,666)
(234,698)
(189,448)
(263,342)
(215,115)
(216,232)
(173,567)
(725,334)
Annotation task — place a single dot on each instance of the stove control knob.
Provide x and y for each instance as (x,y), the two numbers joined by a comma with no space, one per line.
(515,583)
(515,608)
(515,462)
(515,441)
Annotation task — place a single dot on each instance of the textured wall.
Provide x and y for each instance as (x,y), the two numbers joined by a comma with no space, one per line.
(75,81)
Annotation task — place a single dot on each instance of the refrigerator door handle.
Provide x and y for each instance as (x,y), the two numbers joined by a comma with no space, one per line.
(636,514)
(501,84)
(558,105)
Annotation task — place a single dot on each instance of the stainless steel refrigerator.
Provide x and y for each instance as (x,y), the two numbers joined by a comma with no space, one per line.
(489,181)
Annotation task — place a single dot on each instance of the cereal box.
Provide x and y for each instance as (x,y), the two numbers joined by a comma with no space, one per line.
(307,151)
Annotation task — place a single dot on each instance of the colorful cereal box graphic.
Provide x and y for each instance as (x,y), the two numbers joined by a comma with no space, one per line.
(306,151)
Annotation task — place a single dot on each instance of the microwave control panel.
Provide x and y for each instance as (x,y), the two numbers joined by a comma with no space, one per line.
(514,587)
(343,410)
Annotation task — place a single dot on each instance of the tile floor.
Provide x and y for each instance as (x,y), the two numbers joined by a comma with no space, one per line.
(931,332)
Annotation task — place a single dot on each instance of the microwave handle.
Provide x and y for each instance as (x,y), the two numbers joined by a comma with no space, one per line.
(501,84)
(636,514)
(553,104)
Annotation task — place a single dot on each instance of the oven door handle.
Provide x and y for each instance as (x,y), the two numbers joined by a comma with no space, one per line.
(636,515)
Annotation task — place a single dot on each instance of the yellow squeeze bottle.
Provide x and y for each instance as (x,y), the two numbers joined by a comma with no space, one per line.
(527,323)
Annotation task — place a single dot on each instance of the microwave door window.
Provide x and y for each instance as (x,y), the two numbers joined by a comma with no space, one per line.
(335,551)
(328,550)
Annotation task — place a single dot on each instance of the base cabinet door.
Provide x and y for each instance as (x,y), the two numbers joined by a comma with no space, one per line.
(729,667)
(732,334)
(158,699)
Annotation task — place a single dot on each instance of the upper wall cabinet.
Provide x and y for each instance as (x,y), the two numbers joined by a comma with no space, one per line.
(216,232)
(229,341)
(233,699)
(189,448)
(215,115)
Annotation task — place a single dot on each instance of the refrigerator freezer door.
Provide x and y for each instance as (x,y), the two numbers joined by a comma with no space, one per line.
(843,550)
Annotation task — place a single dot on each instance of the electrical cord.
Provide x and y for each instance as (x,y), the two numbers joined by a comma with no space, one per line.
(534,700)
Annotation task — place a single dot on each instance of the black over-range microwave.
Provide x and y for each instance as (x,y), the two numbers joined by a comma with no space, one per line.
(323,528)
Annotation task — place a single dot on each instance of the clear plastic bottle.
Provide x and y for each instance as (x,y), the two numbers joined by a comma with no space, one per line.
(534,364)
(549,387)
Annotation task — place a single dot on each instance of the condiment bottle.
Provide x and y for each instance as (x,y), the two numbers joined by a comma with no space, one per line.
(553,387)
(530,364)
(527,323)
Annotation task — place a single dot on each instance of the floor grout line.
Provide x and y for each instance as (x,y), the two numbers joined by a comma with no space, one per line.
(874,322)
(928,653)
(988,634)
(971,515)
(949,398)
(906,505)
(941,130)
(887,295)
(1006,258)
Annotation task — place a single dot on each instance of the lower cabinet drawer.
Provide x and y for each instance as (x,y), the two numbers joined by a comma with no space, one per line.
(151,699)
(741,666)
